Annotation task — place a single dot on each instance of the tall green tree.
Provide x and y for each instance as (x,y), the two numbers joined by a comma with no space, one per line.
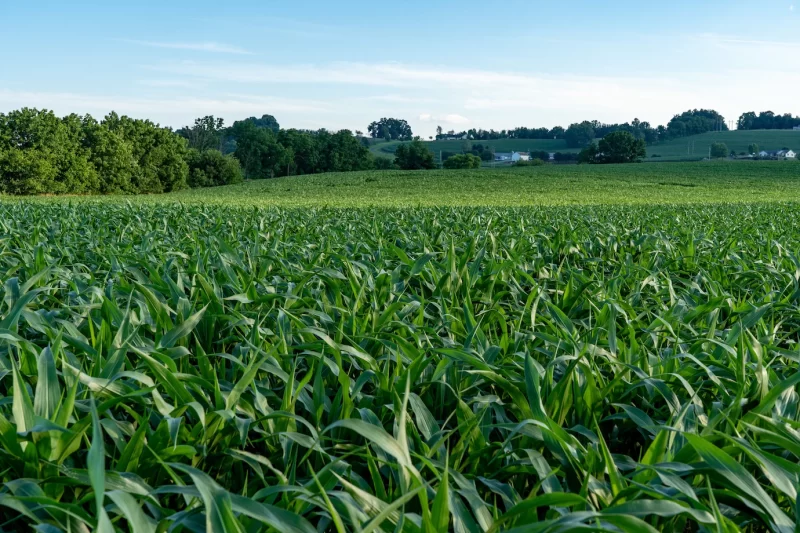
(719,150)
(616,147)
(160,155)
(621,147)
(579,135)
(305,149)
(266,122)
(207,133)
(342,152)
(210,168)
(259,151)
(414,156)
(392,129)
(462,161)
(41,153)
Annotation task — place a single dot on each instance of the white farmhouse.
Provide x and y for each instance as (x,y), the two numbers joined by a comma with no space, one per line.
(512,157)
(778,154)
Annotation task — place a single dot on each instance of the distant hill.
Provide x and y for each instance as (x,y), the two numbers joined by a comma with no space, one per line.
(387,149)
(696,147)
(691,148)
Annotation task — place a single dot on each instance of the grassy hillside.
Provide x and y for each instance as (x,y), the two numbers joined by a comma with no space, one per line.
(501,145)
(736,140)
(686,149)
(737,181)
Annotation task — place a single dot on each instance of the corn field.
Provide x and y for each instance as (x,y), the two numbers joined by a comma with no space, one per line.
(232,369)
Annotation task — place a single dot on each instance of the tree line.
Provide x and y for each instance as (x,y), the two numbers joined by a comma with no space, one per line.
(767,120)
(582,134)
(41,153)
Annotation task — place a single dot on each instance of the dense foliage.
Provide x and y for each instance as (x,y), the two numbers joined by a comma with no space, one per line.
(581,135)
(414,156)
(462,161)
(767,120)
(391,129)
(553,184)
(216,369)
(616,147)
(211,168)
(719,150)
(42,153)
(266,151)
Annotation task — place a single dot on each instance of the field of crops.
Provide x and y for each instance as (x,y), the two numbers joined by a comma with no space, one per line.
(387,149)
(692,148)
(739,181)
(169,367)
(696,146)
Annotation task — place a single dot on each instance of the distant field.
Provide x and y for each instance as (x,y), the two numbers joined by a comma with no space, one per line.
(501,145)
(738,141)
(694,182)
(692,148)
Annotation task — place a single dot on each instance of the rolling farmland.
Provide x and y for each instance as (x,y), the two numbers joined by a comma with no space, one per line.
(738,141)
(716,182)
(690,148)
(387,149)
(251,358)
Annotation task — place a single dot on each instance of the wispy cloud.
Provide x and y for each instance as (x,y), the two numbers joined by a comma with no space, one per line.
(498,98)
(169,83)
(398,99)
(171,111)
(721,39)
(450,119)
(219,48)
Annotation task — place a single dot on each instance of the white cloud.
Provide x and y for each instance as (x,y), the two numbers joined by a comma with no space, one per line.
(506,99)
(397,99)
(169,83)
(219,48)
(169,111)
(722,40)
(454,119)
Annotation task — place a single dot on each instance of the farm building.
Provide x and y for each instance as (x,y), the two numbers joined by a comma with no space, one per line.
(779,154)
(512,156)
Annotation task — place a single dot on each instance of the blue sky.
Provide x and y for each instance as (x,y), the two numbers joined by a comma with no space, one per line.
(315,63)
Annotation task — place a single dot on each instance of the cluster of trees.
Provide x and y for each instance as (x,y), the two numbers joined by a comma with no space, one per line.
(414,156)
(693,122)
(767,120)
(41,153)
(616,147)
(688,123)
(264,150)
(491,135)
(720,150)
(462,161)
(482,152)
(391,129)
(582,134)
